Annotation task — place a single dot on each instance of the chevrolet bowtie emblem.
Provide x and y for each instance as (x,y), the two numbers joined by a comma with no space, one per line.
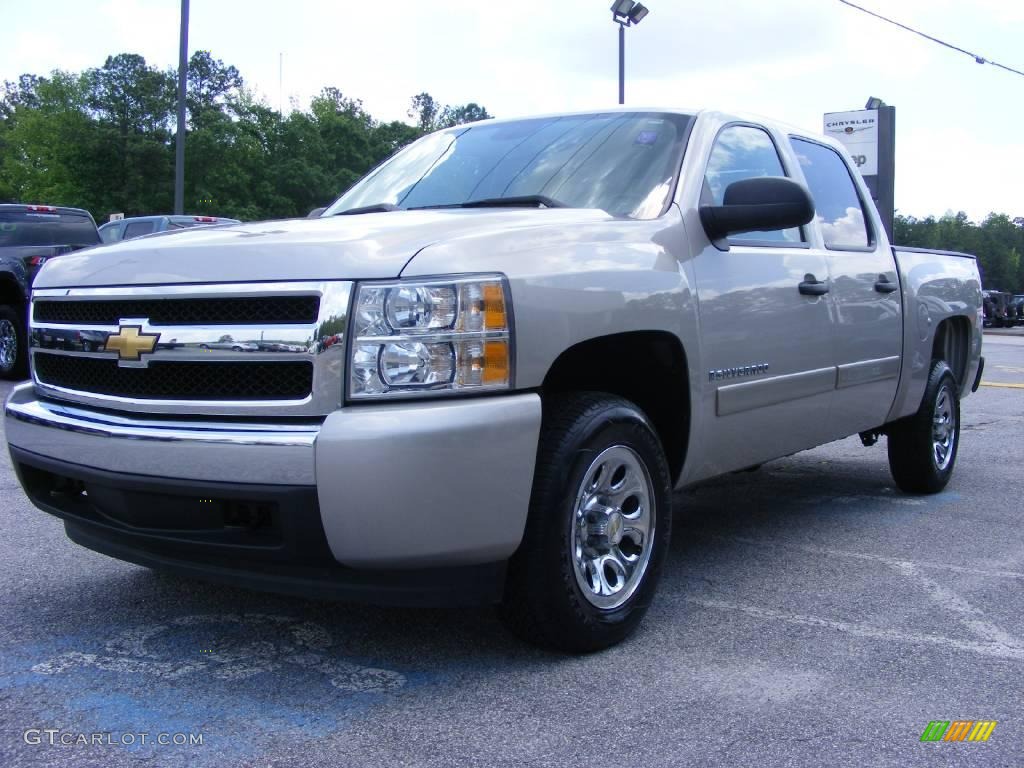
(130,343)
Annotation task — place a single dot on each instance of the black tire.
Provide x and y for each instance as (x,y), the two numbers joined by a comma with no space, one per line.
(921,457)
(544,601)
(12,322)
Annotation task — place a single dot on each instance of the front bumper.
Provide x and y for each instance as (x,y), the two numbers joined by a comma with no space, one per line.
(404,486)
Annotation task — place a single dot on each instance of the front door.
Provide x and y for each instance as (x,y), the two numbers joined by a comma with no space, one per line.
(765,333)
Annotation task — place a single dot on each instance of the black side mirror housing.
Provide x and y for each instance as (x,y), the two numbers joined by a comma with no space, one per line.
(761,204)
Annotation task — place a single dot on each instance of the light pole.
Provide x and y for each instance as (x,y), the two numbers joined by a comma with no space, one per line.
(625,13)
(179,143)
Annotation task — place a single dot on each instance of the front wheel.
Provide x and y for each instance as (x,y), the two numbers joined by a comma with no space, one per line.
(598,527)
(923,447)
(13,344)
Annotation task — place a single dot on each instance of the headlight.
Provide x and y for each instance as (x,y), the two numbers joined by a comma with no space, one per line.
(431,336)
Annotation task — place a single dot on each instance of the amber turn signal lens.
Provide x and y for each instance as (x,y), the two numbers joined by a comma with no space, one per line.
(494,306)
(496,362)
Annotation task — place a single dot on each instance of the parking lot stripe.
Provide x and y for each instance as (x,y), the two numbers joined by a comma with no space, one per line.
(992,649)
(1001,384)
(971,617)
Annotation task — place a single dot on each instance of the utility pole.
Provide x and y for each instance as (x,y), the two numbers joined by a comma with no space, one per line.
(179,144)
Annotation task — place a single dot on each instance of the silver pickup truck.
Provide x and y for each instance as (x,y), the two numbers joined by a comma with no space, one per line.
(480,374)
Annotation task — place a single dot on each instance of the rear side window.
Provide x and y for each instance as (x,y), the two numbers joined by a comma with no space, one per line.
(138,228)
(745,152)
(19,228)
(836,202)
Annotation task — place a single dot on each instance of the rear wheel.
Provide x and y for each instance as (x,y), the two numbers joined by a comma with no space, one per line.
(13,344)
(923,447)
(598,526)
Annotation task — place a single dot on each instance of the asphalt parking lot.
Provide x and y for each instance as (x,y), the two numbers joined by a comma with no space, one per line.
(809,615)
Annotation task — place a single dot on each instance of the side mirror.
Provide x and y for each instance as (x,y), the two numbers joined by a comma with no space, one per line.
(761,204)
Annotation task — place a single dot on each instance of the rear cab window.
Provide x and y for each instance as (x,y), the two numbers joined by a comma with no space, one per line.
(138,228)
(838,207)
(30,228)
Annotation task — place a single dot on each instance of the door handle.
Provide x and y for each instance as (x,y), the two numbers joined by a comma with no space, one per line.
(882,285)
(811,286)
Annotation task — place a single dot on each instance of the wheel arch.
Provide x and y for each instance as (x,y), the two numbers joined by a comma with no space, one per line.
(648,368)
(11,293)
(952,344)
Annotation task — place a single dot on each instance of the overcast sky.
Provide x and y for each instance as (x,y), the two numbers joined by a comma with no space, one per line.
(960,125)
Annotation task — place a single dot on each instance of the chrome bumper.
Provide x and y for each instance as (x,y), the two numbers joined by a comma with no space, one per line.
(399,485)
(175,448)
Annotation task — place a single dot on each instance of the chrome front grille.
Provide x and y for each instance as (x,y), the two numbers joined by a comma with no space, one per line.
(269,310)
(268,349)
(177,380)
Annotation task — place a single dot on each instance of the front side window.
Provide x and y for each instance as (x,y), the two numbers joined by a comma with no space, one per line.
(624,163)
(745,152)
(111,233)
(837,205)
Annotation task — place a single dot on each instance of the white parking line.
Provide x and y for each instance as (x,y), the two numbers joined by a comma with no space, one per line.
(992,649)
(967,614)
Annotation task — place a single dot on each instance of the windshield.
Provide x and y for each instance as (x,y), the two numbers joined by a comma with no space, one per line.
(30,228)
(622,162)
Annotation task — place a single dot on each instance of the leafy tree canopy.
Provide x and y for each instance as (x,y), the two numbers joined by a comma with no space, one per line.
(103,140)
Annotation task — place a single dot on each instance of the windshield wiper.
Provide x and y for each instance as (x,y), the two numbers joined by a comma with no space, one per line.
(375,208)
(519,201)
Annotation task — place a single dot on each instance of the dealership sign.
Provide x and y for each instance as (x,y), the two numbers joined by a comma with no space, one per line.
(858,132)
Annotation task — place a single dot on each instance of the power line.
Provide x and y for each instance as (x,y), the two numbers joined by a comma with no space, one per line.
(975,56)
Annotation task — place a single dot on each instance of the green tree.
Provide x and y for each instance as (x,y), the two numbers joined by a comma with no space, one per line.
(133,104)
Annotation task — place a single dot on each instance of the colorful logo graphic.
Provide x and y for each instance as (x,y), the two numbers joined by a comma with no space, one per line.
(958,730)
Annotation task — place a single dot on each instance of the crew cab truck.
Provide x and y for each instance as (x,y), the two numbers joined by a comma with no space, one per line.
(521,336)
(29,236)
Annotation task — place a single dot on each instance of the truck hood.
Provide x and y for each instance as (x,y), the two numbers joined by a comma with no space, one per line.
(373,245)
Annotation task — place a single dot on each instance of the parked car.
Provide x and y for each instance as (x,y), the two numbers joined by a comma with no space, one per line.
(235,346)
(524,335)
(137,226)
(997,309)
(29,236)
(1017,307)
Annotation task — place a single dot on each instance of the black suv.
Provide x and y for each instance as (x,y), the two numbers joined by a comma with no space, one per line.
(29,235)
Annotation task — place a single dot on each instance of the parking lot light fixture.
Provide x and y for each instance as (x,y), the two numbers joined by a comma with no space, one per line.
(622,7)
(626,13)
(637,14)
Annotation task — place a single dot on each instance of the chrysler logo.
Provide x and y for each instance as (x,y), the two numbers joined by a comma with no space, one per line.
(130,343)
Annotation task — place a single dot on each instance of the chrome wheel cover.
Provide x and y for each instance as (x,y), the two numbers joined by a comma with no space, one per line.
(944,428)
(8,345)
(612,531)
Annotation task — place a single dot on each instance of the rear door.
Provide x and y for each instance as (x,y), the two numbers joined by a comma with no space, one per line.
(768,372)
(865,293)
